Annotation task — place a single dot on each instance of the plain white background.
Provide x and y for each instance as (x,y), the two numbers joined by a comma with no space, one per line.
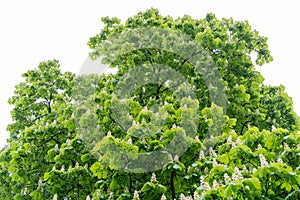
(32,31)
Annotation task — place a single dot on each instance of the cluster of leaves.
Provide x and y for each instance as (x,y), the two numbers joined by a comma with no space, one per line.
(256,155)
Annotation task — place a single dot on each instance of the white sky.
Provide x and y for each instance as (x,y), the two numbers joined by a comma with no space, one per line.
(32,31)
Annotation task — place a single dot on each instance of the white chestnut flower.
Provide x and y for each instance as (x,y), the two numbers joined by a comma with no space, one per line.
(207,186)
(196,195)
(163,197)
(254,170)
(136,195)
(263,161)
(188,169)
(170,157)
(259,146)
(40,182)
(215,183)
(145,109)
(55,197)
(63,168)
(181,197)
(280,160)
(215,163)
(202,180)
(129,141)
(206,170)
(238,141)
(98,193)
(176,158)
(233,145)
(153,177)
(237,175)
(201,155)
(227,178)
(68,142)
(212,152)
(229,139)
(285,146)
(111,196)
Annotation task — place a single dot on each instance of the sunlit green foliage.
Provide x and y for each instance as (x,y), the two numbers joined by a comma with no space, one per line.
(255,156)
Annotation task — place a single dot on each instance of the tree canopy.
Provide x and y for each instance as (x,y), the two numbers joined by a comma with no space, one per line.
(185,116)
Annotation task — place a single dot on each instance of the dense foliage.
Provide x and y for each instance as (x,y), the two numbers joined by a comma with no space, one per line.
(256,155)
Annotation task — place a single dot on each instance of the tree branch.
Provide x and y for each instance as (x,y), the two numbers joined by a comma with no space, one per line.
(244,124)
(172,184)
(193,54)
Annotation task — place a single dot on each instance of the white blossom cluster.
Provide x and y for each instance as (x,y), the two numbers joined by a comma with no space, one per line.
(153,177)
(201,155)
(263,161)
(232,143)
(212,152)
(196,196)
(213,156)
(227,178)
(204,183)
(136,195)
(237,175)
